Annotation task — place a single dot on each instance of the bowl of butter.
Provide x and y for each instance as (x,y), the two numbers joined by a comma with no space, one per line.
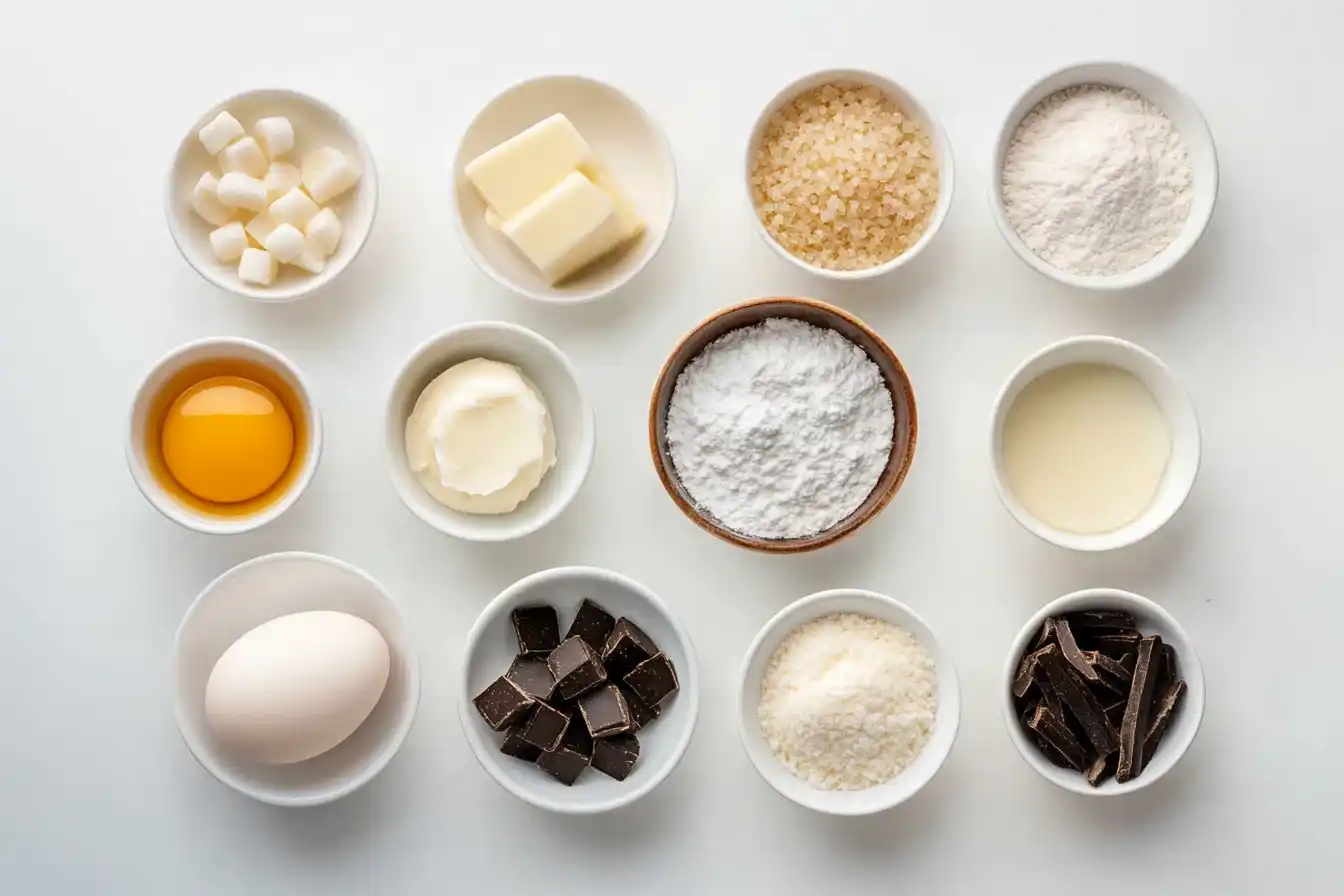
(563,189)
(487,435)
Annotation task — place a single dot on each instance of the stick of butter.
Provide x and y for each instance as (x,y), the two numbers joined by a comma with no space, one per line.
(513,174)
(570,226)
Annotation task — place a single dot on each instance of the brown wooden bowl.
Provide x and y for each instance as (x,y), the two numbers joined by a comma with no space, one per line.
(818,314)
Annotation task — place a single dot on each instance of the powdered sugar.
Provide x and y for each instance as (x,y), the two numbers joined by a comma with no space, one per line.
(848,701)
(1097,180)
(780,430)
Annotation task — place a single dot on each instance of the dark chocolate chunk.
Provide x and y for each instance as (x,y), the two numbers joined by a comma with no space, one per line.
(576,736)
(1134,729)
(641,713)
(653,680)
(593,624)
(616,756)
(1048,696)
(503,703)
(627,646)
(1080,702)
(1115,713)
(1166,709)
(545,728)
(1046,635)
(1100,768)
(564,765)
(576,668)
(532,676)
(1069,648)
(1054,756)
(1127,660)
(538,630)
(1109,670)
(515,746)
(1170,670)
(1023,681)
(1052,730)
(605,712)
(1094,620)
(1115,643)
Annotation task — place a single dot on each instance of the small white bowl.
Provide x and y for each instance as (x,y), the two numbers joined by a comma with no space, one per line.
(266,588)
(491,647)
(1171,397)
(847,802)
(550,371)
(1178,107)
(158,377)
(315,125)
(1153,620)
(942,150)
(622,134)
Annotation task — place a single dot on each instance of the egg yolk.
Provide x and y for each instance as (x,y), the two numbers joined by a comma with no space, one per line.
(227,439)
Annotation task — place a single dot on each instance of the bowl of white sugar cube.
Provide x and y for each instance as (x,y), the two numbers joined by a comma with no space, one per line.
(272,194)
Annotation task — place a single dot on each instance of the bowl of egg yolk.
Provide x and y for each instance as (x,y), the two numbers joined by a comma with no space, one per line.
(224,435)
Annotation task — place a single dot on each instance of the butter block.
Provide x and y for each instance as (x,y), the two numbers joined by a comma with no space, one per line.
(515,173)
(631,222)
(570,226)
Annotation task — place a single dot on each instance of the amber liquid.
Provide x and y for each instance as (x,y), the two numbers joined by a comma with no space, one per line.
(190,376)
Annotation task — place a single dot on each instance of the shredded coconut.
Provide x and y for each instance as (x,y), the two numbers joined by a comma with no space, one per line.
(848,701)
(1097,180)
(781,429)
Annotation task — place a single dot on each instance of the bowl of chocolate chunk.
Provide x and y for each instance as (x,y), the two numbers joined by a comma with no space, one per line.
(579,690)
(1103,692)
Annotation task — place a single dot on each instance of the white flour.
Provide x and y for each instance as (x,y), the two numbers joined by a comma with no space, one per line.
(1097,180)
(848,701)
(780,430)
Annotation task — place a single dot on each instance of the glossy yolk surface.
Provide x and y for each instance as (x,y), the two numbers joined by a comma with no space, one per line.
(227,439)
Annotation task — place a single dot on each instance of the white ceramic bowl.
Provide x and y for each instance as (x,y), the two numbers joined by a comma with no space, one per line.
(315,125)
(1184,725)
(551,372)
(847,802)
(266,588)
(491,647)
(1171,397)
(1178,107)
(190,355)
(620,131)
(942,150)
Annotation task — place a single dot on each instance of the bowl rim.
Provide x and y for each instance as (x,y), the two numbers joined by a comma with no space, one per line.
(902,95)
(462,526)
(159,499)
(689,680)
(1192,671)
(840,530)
(301,289)
(943,662)
(410,707)
(1136,530)
(1149,270)
(456,165)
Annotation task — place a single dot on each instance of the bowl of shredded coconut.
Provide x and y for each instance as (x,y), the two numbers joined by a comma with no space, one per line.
(848,704)
(1105,175)
(782,425)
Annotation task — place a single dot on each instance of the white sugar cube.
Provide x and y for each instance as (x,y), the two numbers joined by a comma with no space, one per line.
(238,190)
(276,136)
(280,178)
(310,259)
(324,231)
(243,155)
(260,227)
(327,173)
(285,242)
(220,132)
(294,208)
(229,242)
(205,201)
(258,266)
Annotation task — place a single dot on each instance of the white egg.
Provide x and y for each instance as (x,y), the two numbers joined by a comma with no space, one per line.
(293,688)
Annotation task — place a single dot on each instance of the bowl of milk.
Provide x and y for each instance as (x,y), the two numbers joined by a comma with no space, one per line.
(1094,443)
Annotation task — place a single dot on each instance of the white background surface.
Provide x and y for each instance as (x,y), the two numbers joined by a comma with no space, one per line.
(97,793)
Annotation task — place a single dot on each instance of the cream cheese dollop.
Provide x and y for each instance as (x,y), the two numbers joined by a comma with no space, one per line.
(480,438)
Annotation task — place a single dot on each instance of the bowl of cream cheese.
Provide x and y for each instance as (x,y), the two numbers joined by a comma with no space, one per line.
(488,436)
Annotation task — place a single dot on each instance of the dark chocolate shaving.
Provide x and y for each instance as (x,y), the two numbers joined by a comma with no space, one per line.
(1134,729)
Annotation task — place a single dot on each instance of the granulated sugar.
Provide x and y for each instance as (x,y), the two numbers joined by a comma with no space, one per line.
(780,430)
(848,701)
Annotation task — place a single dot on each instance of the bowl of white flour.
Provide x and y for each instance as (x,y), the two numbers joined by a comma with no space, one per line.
(1105,175)
(782,425)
